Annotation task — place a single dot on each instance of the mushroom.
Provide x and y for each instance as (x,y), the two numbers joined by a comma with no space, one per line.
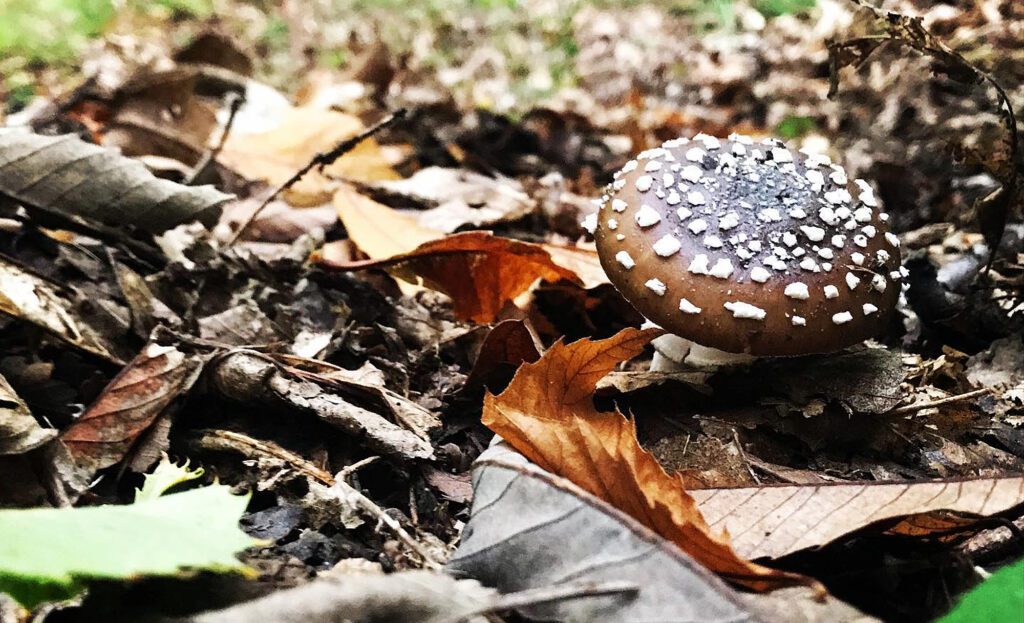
(741,248)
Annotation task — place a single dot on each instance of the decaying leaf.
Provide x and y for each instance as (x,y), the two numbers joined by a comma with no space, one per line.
(66,175)
(379,231)
(19,431)
(520,510)
(777,520)
(863,380)
(547,414)
(129,405)
(275,155)
(33,299)
(508,345)
(479,271)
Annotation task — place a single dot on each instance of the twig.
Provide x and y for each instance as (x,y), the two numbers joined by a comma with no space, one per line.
(378,513)
(349,470)
(319,161)
(549,594)
(234,101)
(743,455)
(938,403)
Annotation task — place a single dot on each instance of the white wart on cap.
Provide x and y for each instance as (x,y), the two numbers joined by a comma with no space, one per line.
(751,247)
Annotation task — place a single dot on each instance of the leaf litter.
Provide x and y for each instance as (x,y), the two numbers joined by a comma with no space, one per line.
(382,294)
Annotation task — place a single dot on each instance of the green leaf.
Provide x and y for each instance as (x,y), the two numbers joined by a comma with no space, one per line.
(166,475)
(775,8)
(999,599)
(50,554)
(794,127)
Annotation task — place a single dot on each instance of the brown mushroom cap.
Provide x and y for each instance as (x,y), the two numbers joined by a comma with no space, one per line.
(749,247)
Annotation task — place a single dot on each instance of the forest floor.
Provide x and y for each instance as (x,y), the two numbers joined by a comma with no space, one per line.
(253,358)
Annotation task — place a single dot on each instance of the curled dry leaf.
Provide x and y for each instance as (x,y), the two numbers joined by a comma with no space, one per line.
(379,231)
(128,406)
(31,298)
(547,414)
(479,271)
(275,155)
(777,520)
(66,175)
(19,431)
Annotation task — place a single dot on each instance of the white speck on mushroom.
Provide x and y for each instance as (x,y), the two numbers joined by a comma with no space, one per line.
(895,275)
(710,142)
(852,281)
(809,264)
(797,213)
(838,196)
(755,246)
(867,197)
(740,309)
(869,309)
(789,239)
(781,154)
(695,197)
(619,205)
(625,259)
(673,198)
(838,176)
(647,216)
(799,252)
(730,220)
(857,258)
(826,266)
(644,182)
(797,290)
(884,217)
(698,226)
(691,173)
(882,256)
(869,231)
(741,138)
(831,292)
(675,142)
(722,269)
(656,285)
(862,215)
(667,180)
(739,149)
(590,222)
(695,154)
(769,215)
(860,240)
(816,179)
(850,225)
(713,242)
(652,165)
(842,317)
(629,166)
(825,253)
(814,234)
(683,213)
(904,272)
(879,283)
(799,321)
(666,246)
(759,274)
(699,265)
(613,224)
(775,263)
(843,213)
(892,239)
(838,241)
(816,160)
(620,237)
(618,184)
(687,307)
(828,215)
(743,254)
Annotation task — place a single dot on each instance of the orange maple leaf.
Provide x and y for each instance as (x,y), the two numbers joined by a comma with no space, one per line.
(547,414)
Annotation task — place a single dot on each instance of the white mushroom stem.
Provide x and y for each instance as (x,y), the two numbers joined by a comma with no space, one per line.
(673,353)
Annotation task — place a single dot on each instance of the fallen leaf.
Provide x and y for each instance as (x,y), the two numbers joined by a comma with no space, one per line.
(19,430)
(302,133)
(129,405)
(379,231)
(776,520)
(520,511)
(583,262)
(547,413)
(31,298)
(66,175)
(507,346)
(479,271)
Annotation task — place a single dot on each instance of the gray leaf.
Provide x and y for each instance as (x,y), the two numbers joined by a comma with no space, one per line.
(19,431)
(67,175)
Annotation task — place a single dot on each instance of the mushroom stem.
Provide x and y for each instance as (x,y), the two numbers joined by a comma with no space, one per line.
(673,353)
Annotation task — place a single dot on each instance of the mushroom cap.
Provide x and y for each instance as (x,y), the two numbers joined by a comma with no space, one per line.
(749,247)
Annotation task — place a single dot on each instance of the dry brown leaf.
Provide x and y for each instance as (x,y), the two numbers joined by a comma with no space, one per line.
(583,262)
(547,414)
(379,231)
(777,520)
(480,272)
(130,404)
(507,346)
(276,155)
